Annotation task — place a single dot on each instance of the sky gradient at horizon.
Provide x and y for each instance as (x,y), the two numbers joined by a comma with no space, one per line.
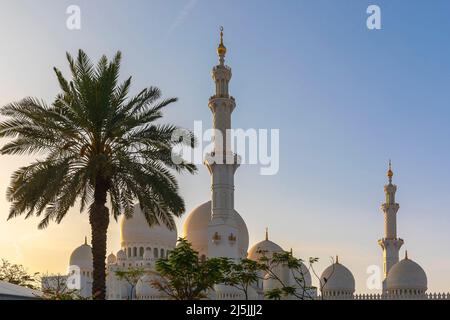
(345,99)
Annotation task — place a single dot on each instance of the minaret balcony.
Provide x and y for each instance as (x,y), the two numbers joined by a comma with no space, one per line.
(229,158)
(220,96)
(221,67)
(386,206)
(216,101)
(387,242)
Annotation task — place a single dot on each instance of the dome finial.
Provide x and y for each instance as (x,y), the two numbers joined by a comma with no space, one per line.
(221,49)
(337,259)
(85,240)
(390,173)
(267,233)
(406,254)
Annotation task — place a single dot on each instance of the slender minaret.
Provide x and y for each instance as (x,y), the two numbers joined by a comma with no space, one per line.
(390,243)
(222,164)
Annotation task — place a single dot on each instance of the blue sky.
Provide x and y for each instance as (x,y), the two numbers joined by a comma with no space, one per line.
(346,99)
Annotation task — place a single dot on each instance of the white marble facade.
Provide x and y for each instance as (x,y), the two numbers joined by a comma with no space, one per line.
(216,229)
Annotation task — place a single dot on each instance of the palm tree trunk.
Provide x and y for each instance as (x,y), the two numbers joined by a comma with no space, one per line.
(99,220)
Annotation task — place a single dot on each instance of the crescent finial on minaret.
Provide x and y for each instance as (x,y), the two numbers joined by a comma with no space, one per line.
(221,49)
(390,173)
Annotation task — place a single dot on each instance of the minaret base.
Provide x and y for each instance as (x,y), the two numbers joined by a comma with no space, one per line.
(391,248)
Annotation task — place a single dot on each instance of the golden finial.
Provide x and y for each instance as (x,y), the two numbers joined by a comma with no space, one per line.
(221,49)
(267,234)
(85,240)
(390,173)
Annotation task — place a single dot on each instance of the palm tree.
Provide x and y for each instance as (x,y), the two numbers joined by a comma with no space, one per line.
(97,145)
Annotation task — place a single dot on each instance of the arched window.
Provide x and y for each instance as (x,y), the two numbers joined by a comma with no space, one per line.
(134,251)
(141,251)
(155,252)
(162,253)
(129,252)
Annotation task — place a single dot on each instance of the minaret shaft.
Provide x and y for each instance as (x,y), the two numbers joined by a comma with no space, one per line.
(390,244)
(222,164)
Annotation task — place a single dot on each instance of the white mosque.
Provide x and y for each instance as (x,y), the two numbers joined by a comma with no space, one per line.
(216,229)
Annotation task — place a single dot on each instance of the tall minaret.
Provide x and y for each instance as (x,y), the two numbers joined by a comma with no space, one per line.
(222,164)
(390,243)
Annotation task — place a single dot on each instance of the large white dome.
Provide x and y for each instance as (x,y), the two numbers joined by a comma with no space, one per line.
(136,230)
(337,278)
(266,246)
(82,257)
(195,229)
(406,275)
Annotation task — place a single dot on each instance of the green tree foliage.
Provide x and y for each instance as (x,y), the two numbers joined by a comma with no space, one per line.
(294,287)
(17,274)
(97,144)
(54,287)
(183,276)
(131,276)
(241,275)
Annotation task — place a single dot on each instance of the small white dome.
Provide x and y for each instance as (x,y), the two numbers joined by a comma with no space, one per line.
(303,274)
(82,257)
(195,229)
(144,289)
(267,246)
(121,255)
(405,275)
(111,258)
(136,230)
(337,278)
